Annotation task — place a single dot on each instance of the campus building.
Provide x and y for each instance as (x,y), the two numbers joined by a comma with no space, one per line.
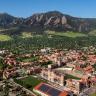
(53,76)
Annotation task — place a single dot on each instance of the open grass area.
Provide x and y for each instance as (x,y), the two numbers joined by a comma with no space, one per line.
(29,35)
(67,34)
(1,66)
(26,35)
(31,59)
(2,29)
(29,82)
(6,29)
(92,33)
(71,77)
(5,38)
(93,94)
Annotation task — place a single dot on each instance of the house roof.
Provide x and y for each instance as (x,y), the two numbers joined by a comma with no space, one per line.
(88,68)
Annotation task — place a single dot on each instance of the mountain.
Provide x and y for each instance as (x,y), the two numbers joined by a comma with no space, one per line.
(6,19)
(53,20)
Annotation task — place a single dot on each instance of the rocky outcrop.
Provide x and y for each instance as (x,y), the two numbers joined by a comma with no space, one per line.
(51,20)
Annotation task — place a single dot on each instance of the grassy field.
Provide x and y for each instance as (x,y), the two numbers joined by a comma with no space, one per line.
(93,94)
(67,34)
(29,35)
(71,77)
(92,33)
(50,34)
(1,66)
(26,35)
(31,59)
(5,38)
(29,82)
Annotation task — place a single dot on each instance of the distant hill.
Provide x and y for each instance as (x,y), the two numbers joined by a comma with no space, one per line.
(53,20)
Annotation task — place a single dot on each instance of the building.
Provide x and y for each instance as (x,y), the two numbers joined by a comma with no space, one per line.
(53,76)
(75,85)
(46,90)
(9,73)
(33,70)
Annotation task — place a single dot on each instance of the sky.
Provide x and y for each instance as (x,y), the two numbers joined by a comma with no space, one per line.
(25,8)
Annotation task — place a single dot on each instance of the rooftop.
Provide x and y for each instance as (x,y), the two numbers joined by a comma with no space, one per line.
(49,90)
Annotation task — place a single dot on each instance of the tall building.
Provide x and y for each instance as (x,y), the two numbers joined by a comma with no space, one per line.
(53,76)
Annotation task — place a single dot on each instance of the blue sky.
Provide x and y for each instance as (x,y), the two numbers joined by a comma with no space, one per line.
(25,8)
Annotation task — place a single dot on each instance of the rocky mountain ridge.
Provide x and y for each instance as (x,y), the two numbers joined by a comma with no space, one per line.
(53,20)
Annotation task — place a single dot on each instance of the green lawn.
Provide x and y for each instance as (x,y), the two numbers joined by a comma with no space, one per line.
(1,66)
(5,38)
(26,35)
(93,94)
(29,82)
(30,35)
(67,34)
(31,59)
(71,77)
(92,33)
